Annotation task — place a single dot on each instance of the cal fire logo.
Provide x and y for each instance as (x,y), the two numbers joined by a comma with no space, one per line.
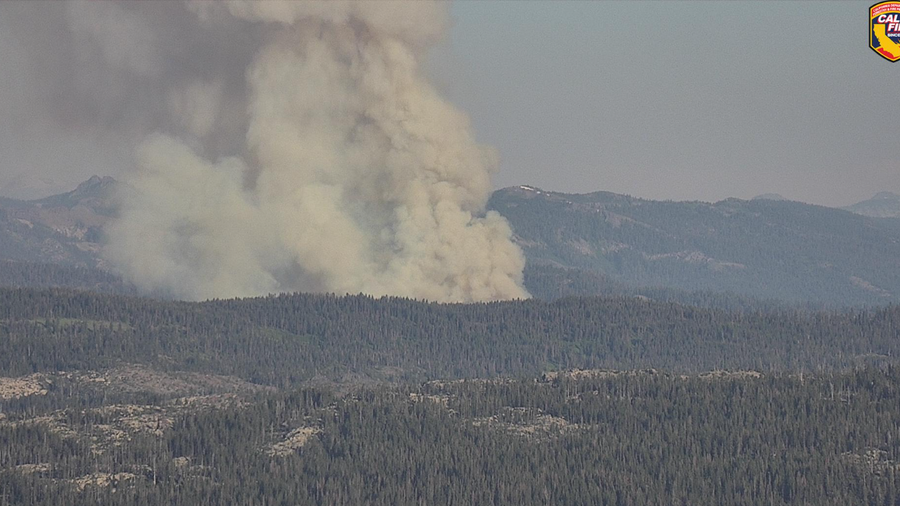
(884,29)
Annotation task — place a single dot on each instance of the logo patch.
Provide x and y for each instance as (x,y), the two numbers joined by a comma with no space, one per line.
(884,29)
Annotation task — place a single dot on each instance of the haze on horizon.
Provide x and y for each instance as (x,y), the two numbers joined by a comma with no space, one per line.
(674,101)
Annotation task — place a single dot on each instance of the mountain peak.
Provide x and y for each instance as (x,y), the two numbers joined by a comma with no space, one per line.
(96,193)
(94,184)
(93,180)
(769,196)
(882,205)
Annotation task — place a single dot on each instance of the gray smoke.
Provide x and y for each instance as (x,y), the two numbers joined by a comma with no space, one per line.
(294,146)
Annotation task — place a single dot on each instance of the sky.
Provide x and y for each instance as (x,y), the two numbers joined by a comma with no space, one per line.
(679,100)
(661,100)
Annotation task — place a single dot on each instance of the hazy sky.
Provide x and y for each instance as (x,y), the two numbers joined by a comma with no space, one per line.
(679,100)
(664,100)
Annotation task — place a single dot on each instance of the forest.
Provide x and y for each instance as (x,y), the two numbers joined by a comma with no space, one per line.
(584,437)
(112,399)
(284,340)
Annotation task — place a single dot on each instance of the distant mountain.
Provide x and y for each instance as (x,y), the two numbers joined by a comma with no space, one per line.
(97,194)
(64,229)
(733,254)
(761,248)
(769,196)
(882,205)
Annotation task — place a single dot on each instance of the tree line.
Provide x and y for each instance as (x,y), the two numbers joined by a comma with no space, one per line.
(287,339)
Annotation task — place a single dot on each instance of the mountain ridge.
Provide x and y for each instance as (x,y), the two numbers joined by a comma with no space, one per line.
(750,252)
(883,204)
(760,248)
(65,229)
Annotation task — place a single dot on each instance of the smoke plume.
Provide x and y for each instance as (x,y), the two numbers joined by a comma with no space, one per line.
(290,146)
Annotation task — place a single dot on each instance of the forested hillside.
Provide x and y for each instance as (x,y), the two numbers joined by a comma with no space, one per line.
(762,248)
(41,275)
(590,437)
(326,400)
(283,340)
(550,282)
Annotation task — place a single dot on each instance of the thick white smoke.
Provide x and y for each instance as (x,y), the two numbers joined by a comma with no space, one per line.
(354,174)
